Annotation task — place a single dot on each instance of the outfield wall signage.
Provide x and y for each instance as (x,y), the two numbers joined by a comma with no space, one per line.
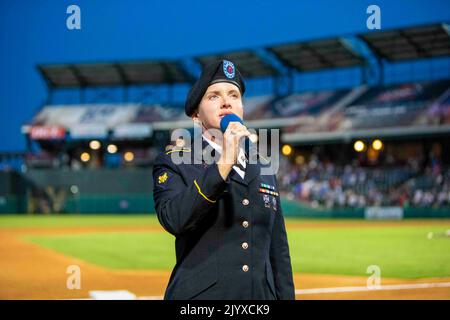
(383,213)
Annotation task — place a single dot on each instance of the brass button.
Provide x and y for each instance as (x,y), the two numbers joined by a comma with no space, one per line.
(245,202)
(244,245)
(245,268)
(245,224)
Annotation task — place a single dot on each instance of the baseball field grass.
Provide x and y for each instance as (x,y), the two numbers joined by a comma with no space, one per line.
(413,249)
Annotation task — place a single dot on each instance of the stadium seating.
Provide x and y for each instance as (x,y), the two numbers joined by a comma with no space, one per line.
(317,183)
(321,184)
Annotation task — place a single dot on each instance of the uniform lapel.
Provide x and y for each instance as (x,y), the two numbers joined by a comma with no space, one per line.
(251,171)
(253,166)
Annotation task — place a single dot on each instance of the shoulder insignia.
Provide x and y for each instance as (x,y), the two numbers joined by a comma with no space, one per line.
(175,149)
(163,178)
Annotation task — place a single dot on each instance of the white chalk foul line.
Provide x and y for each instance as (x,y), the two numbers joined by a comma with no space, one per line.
(344,289)
(150,298)
(380,288)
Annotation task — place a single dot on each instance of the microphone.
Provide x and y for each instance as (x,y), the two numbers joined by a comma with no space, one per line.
(234,118)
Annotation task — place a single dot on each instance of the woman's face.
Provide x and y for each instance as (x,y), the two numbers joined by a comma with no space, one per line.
(219,100)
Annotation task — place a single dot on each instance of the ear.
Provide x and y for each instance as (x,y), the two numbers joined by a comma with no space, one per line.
(194,116)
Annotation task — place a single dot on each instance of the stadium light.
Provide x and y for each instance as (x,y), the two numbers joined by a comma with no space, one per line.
(112,148)
(286,150)
(128,156)
(359,146)
(95,144)
(85,157)
(377,144)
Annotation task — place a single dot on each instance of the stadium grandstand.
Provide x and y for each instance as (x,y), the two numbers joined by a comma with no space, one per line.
(364,122)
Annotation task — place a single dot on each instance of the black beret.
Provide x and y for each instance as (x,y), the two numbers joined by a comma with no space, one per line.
(218,71)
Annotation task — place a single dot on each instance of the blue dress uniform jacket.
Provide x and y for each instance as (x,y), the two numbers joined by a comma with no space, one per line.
(230,237)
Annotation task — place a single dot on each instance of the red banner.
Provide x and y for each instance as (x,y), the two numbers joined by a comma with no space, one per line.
(47,133)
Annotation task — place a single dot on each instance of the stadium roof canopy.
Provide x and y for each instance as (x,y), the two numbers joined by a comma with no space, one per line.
(250,64)
(114,74)
(317,55)
(410,43)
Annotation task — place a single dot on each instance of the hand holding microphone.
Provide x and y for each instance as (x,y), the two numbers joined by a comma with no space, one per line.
(224,123)
(233,131)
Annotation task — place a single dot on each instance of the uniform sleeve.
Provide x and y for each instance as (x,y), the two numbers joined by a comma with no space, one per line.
(280,259)
(182,205)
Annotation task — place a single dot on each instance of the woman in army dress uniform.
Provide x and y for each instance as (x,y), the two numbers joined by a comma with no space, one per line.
(230,236)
